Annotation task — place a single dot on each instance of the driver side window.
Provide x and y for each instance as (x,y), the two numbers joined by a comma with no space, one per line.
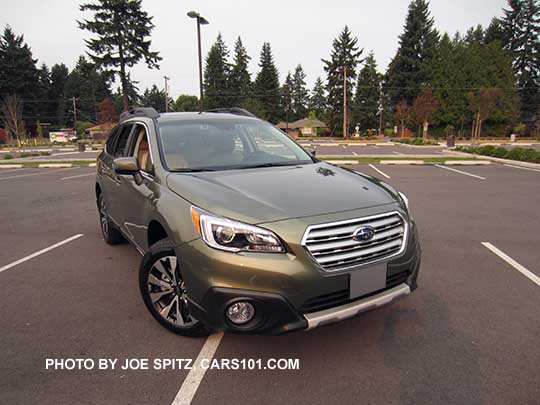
(142,150)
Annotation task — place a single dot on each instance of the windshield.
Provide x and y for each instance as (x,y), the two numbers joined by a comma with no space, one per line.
(226,144)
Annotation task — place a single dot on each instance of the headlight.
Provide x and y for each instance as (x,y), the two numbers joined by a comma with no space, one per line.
(405,199)
(232,236)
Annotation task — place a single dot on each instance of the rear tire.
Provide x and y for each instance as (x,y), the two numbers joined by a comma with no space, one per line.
(164,292)
(110,232)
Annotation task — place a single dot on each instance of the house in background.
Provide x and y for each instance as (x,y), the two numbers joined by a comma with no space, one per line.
(303,127)
(101,131)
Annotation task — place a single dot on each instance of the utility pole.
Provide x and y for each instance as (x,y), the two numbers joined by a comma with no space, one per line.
(345,102)
(166,94)
(74,102)
(200,21)
(381,111)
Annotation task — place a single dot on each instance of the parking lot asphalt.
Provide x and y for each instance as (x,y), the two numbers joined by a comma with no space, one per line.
(468,334)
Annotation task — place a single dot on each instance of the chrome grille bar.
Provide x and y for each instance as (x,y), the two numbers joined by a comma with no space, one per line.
(332,245)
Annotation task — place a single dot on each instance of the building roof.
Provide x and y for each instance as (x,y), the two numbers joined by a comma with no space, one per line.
(303,123)
(102,127)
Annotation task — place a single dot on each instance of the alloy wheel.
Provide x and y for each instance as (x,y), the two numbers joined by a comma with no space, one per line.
(168,293)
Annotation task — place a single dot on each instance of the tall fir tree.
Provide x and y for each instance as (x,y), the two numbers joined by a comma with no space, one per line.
(89,85)
(19,74)
(521,27)
(155,98)
(240,78)
(343,62)
(216,76)
(57,94)
(317,100)
(267,86)
(122,30)
(494,31)
(368,95)
(409,70)
(300,94)
(287,98)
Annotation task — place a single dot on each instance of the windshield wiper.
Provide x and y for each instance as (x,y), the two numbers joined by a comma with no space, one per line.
(270,165)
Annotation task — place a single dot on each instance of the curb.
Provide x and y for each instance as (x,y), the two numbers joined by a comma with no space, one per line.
(55,165)
(466,163)
(401,162)
(510,162)
(11,166)
(342,162)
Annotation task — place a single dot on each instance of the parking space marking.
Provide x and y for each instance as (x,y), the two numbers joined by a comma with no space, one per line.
(379,171)
(398,153)
(355,154)
(77,176)
(193,380)
(40,252)
(530,275)
(522,168)
(461,172)
(12,170)
(36,174)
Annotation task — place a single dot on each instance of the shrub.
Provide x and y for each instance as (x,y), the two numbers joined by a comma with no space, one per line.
(499,153)
(44,153)
(388,132)
(529,155)
(25,154)
(515,154)
(486,150)
(8,156)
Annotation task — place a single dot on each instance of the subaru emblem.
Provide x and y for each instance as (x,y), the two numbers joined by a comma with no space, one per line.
(364,233)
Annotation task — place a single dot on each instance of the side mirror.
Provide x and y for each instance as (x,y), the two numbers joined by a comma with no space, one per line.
(125,165)
(312,152)
(128,165)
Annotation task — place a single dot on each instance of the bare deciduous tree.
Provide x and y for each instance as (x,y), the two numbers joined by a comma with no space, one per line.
(482,103)
(402,114)
(12,108)
(423,108)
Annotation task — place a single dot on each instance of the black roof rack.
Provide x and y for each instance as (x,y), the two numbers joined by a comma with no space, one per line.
(148,112)
(232,110)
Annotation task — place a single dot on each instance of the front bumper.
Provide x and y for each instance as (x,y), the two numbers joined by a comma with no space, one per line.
(287,291)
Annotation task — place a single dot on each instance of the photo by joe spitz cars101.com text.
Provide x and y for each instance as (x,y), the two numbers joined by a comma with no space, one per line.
(242,230)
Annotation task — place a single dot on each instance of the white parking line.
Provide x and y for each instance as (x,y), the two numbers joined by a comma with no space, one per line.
(12,170)
(380,171)
(461,172)
(36,174)
(530,275)
(40,252)
(398,153)
(79,175)
(193,380)
(374,146)
(355,154)
(522,168)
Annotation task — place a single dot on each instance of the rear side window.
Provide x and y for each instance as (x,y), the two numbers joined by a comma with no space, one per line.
(109,146)
(120,148)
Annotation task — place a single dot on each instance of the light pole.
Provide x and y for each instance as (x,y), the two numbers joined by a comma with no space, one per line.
(203,21)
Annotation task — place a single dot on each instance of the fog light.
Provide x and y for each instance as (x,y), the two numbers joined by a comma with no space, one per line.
(240,312)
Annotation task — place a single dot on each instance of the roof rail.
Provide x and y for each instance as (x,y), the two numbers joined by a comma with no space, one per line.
(148,112)
(232,110)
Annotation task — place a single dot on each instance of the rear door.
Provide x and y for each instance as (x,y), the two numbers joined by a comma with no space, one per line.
(117,146)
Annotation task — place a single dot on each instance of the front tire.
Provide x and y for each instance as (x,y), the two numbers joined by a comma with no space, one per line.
(164,292)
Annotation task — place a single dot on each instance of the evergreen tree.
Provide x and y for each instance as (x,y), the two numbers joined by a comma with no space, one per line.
(343,62)
(19,75)
(122,30)
(317,100)
(57,95)
(521,27)
(409,70)
(154,98)
(89,85)
(267,86)
(287,98)
(494,32)
(216,76)
(300,94)
(368,95)
(240,79)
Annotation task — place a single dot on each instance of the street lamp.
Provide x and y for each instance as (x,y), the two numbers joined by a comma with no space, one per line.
(203,21)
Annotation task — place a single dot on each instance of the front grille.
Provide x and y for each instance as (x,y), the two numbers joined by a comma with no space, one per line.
(338,298)
(332,245)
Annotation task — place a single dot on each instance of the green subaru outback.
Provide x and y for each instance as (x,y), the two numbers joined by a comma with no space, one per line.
(244,231)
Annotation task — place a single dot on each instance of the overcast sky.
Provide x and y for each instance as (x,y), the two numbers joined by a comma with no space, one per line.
(299,31)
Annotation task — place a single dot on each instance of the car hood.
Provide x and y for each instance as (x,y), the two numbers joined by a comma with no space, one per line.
(276,193)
